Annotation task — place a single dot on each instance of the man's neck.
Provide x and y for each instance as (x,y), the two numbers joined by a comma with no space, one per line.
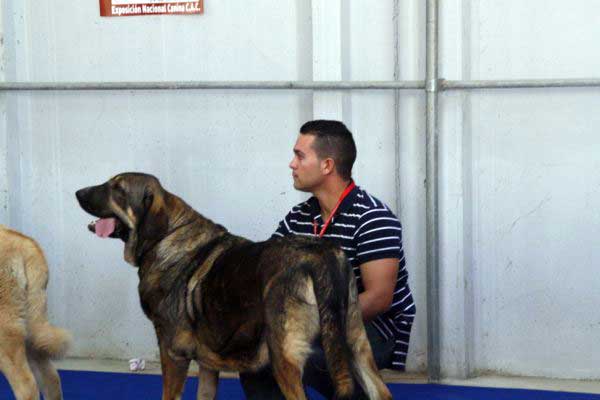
(328,196)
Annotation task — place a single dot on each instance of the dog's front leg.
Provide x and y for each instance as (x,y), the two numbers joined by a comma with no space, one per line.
(207,387)
(174,373)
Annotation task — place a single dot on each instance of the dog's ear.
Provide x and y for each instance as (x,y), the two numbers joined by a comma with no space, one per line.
(155,221)
(152,225)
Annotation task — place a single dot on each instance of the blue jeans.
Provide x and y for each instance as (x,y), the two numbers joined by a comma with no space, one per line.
(262,385)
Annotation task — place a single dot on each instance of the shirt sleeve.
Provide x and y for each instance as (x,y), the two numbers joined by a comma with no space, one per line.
(379,236)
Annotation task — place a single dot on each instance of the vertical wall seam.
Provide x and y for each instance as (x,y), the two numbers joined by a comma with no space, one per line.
(396,30)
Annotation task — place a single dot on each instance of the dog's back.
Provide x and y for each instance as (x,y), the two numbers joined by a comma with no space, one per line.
(24,327)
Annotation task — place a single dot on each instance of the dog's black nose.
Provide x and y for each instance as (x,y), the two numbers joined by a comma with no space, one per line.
(81,194)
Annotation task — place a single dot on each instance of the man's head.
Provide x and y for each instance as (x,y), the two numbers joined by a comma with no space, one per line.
(324,149)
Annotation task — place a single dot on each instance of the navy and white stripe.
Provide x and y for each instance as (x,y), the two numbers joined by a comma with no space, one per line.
(366,230)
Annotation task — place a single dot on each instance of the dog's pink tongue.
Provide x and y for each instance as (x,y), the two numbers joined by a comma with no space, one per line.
(105,226)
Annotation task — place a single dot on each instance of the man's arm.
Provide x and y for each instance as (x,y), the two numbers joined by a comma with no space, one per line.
(378,241)
(379,280)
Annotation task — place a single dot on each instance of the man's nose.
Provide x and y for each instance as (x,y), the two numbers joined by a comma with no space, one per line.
(292,164)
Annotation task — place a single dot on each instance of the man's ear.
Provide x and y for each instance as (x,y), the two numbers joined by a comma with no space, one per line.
(327,166)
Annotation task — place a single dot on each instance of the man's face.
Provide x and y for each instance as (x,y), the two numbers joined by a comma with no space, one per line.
(306,166)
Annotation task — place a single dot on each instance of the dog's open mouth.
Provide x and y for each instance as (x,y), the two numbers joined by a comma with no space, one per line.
(109,227)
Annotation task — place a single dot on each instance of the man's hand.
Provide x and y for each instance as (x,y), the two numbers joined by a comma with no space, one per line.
(379,280)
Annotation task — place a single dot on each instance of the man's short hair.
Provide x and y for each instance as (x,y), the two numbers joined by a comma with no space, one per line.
(333,140)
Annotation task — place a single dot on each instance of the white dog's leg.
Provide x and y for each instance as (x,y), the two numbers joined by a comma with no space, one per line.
(14,365)
(47,377)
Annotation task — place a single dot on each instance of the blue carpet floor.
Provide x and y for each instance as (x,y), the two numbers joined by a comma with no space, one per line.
(80,385)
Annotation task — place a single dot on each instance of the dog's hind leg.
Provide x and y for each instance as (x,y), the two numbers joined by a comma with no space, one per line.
(292,326)
(207,385)
(365,369)
(174,373)
(46,376)
(14,365)
(287,365)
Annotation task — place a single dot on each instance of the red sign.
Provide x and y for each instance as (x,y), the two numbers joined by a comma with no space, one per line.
(127,8)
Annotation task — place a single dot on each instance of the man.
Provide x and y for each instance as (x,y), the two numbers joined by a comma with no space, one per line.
(369,234)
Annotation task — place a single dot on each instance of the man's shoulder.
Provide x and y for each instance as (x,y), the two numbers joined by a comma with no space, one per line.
(369,206)
(303,208)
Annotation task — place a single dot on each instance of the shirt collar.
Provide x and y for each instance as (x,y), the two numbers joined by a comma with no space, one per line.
(315,208)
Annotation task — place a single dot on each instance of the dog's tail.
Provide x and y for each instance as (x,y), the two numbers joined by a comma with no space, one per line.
(46,339)
(331,291)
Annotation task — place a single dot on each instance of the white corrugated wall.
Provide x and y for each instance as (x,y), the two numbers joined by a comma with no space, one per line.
(520,171)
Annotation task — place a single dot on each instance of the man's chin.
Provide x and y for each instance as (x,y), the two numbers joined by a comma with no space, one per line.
(300,187)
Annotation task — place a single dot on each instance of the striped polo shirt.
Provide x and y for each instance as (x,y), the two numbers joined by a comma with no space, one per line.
(366,230)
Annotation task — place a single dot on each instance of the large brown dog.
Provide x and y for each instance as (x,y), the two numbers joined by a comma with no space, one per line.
(229,303)
(27,340)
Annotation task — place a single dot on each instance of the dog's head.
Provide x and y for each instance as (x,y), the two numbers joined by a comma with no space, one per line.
(130,207)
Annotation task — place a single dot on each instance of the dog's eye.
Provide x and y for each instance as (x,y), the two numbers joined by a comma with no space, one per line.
(118,189)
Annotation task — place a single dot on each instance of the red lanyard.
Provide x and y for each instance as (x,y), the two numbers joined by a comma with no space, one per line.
(346,192)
